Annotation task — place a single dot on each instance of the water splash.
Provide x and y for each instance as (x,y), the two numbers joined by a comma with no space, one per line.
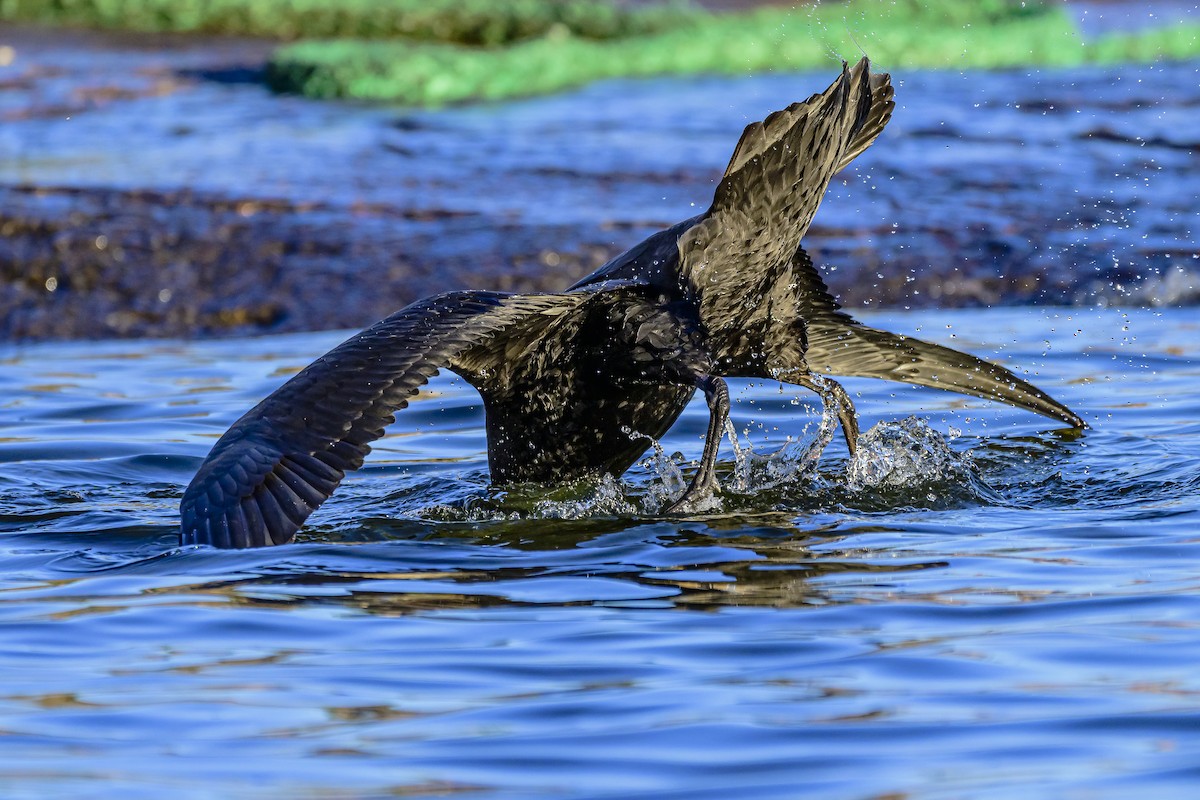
(666,482)
(439,501)
(898,464)
(908,460)
(606,498)
(796,459)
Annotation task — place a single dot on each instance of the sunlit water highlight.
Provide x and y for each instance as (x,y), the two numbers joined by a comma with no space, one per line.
(979,604)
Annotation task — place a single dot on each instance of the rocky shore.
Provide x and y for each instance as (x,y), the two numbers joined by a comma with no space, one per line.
(152,187)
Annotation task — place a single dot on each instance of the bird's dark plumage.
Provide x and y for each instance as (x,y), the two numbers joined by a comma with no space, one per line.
(577,383)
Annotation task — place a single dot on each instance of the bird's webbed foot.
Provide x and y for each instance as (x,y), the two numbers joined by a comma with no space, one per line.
(834,396)
(705,481)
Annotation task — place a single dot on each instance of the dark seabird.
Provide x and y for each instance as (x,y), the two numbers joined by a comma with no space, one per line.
(574,384)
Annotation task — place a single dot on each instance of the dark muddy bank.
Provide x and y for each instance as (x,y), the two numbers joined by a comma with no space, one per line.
(153,187)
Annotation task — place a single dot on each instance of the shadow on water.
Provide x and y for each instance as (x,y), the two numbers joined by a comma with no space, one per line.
(389,567)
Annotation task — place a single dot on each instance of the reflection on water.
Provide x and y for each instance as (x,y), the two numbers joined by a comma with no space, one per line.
(981,602)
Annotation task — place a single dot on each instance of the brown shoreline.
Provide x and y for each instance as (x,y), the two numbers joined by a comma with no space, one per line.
(98,256)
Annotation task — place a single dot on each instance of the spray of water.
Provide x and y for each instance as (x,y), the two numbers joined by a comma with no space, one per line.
(796,460)
(897,464)
(908,462)
(606,499)
(667,482)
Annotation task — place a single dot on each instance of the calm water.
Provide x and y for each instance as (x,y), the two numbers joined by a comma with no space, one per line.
(1018,615)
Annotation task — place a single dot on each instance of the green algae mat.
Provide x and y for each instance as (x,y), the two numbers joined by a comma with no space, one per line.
(437,52)
(472,22)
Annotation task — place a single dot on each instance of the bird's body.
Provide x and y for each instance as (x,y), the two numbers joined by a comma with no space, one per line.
(585,396)
(576,384)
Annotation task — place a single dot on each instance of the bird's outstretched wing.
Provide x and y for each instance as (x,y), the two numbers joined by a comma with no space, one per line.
(287,455)
(840,345)
(772,187)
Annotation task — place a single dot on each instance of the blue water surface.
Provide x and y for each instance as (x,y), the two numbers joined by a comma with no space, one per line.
(1019,618)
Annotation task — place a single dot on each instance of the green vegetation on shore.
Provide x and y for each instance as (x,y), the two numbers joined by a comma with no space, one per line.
(471,22)
(434,52)
(904,34)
